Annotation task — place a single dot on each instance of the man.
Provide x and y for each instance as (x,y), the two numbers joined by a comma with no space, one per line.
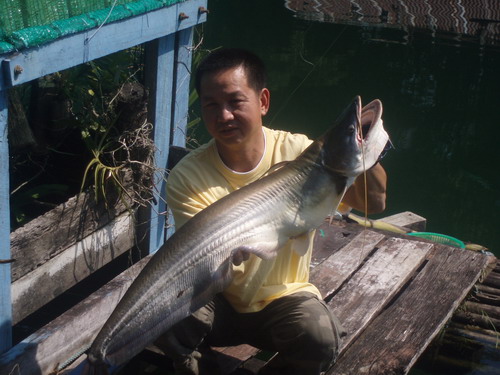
(270,304)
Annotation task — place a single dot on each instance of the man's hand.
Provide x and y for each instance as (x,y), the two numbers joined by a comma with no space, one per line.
(376,180)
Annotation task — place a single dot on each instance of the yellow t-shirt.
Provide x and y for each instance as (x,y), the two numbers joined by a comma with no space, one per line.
(201,178)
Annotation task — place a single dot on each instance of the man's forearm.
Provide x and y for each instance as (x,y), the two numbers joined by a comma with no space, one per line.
(376,180)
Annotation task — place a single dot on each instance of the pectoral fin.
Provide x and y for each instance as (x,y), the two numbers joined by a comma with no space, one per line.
(264,250)
(300,244)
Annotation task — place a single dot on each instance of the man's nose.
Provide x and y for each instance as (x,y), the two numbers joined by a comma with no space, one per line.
(226,114)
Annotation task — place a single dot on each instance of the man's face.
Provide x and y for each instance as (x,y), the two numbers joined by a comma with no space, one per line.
(231,109)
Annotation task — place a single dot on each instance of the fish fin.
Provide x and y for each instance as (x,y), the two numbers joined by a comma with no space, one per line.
(275,168)
(264,250)
(300,244)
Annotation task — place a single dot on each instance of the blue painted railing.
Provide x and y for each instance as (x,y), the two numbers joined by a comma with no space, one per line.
(168,32)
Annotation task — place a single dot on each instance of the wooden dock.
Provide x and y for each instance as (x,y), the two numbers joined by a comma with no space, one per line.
(393,294)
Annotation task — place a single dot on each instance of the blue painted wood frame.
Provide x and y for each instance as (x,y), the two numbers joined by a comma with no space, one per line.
(181,98)
(5,297)
(181,94)
(171,106)
(21,67)
(163,54)
(89,45)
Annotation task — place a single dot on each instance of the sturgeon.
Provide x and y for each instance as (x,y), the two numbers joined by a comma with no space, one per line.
(195,263)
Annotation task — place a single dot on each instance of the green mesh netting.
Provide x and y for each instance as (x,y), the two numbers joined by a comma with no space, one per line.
(28,23)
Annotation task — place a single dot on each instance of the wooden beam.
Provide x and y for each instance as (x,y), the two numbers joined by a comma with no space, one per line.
(69,333)
(89,45)
(160,69)
(46,236)
(5,305)
(184,53)
(60,273)
(407,219)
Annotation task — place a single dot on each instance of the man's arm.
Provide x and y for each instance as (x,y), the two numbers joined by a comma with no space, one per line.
(376,180)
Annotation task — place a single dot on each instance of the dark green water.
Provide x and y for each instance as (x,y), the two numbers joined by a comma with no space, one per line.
(441,108)
(441,104)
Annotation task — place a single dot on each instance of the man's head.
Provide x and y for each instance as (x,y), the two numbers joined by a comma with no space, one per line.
(228,58)
(233,98)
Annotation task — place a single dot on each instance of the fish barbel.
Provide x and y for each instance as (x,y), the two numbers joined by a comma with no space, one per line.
(195,263)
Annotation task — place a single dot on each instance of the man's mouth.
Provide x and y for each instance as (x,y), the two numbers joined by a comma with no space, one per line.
(228,130)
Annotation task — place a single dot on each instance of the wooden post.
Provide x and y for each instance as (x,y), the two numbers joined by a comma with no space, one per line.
(5,297)
(181,90)
(160,68)
(180,96)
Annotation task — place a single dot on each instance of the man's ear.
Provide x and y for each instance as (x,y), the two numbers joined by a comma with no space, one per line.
(265,97)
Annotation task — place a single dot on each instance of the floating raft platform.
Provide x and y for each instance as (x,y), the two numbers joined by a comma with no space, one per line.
(393,294)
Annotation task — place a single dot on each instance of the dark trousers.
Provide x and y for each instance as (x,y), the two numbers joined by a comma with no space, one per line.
(300,328)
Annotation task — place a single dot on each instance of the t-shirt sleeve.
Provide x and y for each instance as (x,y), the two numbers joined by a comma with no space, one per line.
(181,200)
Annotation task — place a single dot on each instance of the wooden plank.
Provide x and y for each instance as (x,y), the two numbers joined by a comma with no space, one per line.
(48,235)
(407,219)
(71,266)
(92,44)
(363,297)
(231,357)
(332,272)
(331,237)
(5,278)
(71,332)
(396,338)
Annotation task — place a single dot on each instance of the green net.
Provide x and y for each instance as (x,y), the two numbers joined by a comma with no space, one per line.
(29,23)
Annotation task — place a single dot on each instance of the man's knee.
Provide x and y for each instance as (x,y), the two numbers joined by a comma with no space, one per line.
(312,331)
(320,336)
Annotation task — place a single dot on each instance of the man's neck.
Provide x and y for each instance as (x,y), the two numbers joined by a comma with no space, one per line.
(243,157)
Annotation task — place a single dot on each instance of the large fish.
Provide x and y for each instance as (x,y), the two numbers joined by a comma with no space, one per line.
(196,262)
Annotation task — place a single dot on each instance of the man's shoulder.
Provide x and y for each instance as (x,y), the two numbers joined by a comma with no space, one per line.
(193,162)
(286,142)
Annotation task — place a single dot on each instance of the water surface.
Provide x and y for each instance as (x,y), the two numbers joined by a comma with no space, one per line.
(441,99)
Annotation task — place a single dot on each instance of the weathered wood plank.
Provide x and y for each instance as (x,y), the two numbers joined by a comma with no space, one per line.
(330,238)
(70,332)
(329,275)
(407,219)
(50,234)
(38,287)
(5,254)
(397,337)
(230,358)
(89,45)
(362,298)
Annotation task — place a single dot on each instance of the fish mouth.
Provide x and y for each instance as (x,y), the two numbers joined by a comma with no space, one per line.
(368,117)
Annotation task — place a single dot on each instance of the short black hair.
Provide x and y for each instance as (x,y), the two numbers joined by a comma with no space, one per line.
(228,58)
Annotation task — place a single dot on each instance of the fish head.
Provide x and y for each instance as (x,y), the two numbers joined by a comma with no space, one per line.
(356,141)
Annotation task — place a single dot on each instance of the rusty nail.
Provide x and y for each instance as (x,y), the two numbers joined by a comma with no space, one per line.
(202,10)
(18,69)
(183,16)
